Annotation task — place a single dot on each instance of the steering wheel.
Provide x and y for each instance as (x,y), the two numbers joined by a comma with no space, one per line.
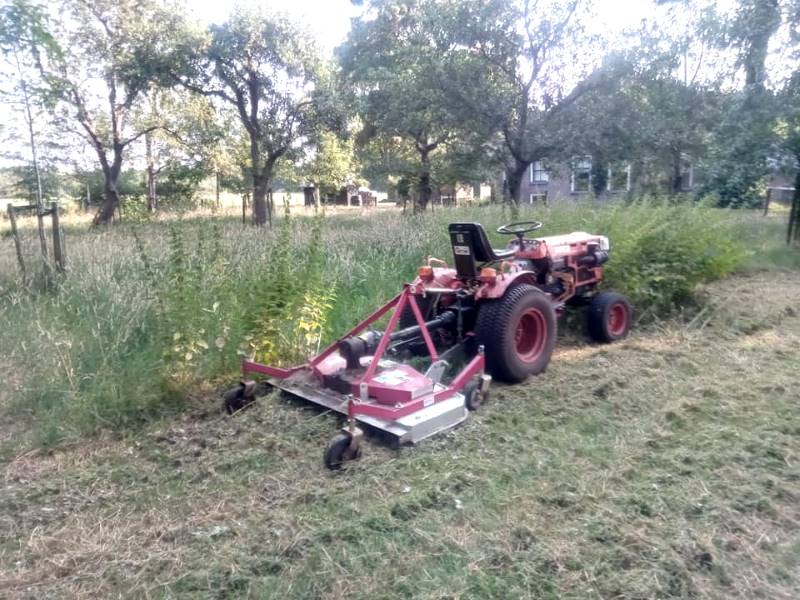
(519,229)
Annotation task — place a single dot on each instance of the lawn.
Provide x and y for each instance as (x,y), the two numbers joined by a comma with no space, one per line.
(662,466)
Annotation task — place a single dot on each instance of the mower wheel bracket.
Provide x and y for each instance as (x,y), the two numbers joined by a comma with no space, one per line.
(437,370)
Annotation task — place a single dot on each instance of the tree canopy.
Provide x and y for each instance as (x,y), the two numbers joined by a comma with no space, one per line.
(421,94)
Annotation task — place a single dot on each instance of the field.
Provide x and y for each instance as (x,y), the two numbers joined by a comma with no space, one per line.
(662,466)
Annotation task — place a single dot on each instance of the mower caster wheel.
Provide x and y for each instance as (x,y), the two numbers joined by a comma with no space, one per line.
(476,392)
(239,397)
(341,448)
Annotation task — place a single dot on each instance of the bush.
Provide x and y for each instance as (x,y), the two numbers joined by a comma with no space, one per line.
(149,311)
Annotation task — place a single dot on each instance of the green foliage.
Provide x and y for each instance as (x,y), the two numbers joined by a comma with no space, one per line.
(172,306)
(292,300)
(265,67)
(334,163)
(664,252)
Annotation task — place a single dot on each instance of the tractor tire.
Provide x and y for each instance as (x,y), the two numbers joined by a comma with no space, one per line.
(517,332)
(609,317)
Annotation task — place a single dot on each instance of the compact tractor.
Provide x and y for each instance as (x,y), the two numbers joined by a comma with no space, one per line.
(450,332)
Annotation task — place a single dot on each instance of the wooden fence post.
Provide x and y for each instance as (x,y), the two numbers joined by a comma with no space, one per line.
(58,243)
(12,217)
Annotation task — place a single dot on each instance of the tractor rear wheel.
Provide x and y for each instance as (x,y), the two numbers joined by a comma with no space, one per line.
(609,317)
(517,332)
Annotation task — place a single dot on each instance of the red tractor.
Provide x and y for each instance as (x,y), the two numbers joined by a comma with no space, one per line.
(493,314)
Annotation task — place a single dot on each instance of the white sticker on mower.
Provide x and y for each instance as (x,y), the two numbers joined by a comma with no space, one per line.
(393,377)
(463,250)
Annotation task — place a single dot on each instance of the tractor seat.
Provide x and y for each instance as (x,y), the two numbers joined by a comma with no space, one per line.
(471,247)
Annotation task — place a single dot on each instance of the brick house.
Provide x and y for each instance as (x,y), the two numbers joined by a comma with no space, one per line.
(579,179)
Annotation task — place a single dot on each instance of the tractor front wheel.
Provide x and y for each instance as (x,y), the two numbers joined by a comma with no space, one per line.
(517,332)
(609,317)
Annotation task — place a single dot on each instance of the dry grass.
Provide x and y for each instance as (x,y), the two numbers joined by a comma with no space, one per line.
(664,466)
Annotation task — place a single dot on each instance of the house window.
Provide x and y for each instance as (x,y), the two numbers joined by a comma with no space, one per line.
(539,197)
(581,174)
(619,178)
(538,173)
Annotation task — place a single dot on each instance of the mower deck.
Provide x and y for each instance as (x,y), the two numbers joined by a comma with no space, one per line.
(409,429)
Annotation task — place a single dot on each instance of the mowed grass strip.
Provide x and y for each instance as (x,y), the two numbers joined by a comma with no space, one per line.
(665,466)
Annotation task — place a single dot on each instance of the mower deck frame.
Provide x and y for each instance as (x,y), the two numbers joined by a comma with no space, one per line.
(386,395)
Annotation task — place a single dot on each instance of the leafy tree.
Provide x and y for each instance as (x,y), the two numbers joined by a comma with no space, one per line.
(737,158)
(396,57)
(263,66)
(23,30)
(789,136)
(333,165)
(100,75)
(519,67)
(789,121)
(184,150)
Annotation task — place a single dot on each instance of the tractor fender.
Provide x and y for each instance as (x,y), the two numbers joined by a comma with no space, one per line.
(491,290)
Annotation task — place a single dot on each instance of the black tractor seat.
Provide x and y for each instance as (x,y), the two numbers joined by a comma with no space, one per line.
(471,247)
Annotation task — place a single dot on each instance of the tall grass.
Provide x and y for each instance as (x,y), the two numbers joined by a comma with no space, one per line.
(147,312)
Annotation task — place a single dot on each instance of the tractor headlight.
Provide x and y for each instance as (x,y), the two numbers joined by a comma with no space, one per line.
(604,243)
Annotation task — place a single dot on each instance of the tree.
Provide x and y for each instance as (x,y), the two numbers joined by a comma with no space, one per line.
(263,66)
(396,57)
(519,68)
(187,147)
(333,165)
(23,31)
(739,144)
(789,132)
(103,72)
(739,156)
(789,123)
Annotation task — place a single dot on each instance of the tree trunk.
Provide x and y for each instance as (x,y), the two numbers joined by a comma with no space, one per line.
(424,190)
(152,200)
(110,203)
(262,207)
(793,233)
(34,156)
(259,201)
(514,176)
(111,200)
(675,183)
(216,187)
(262,181)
